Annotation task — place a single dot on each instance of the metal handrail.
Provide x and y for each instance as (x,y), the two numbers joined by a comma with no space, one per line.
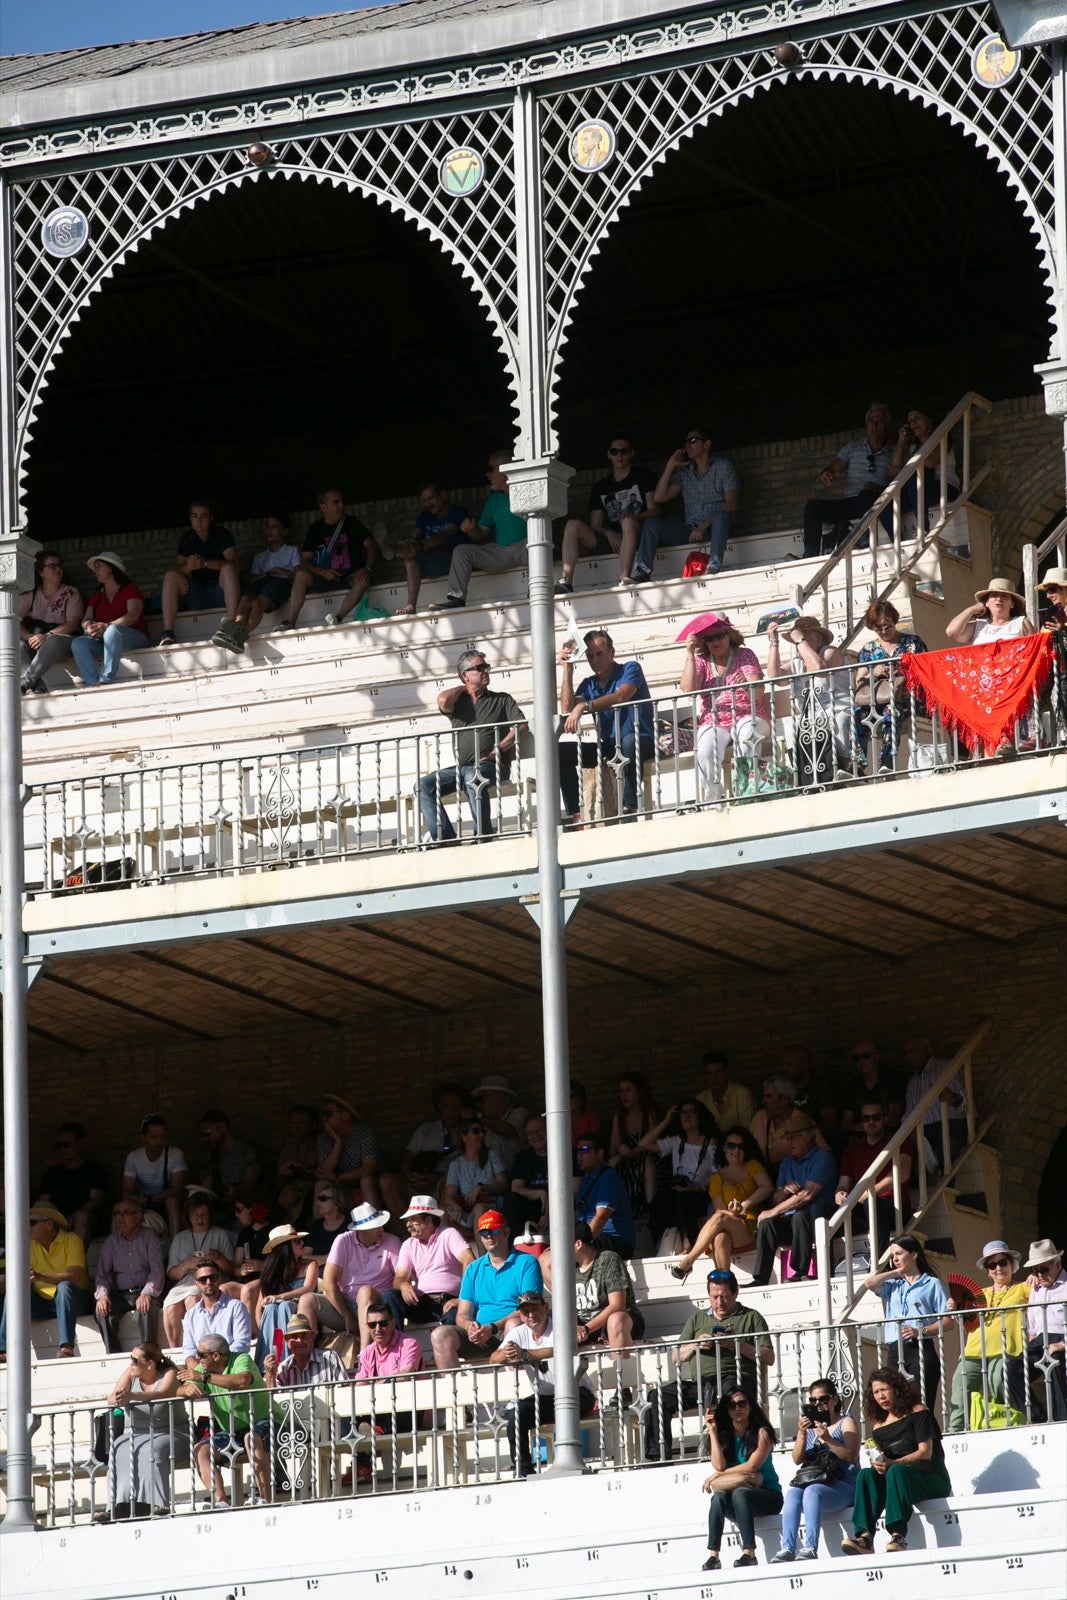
(869,523)
(826,1228)
(1033,555)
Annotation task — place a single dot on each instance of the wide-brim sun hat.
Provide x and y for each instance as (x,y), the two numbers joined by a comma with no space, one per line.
(112,558)
(45,1212)
(297,1324)
(1002,586)
(366,1217)
(422,1205)
(998,1247)
(339,1100)
(1042,1251)
(704,623)
(799,1122)
(279,1236)
(1055,578)
(494,1084)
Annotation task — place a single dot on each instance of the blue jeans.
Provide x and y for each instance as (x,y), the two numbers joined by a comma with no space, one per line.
(115,642)
(434,786)
(69,1304)
(814,1501)
(657,530)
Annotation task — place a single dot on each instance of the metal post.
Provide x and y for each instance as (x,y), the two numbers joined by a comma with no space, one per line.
(16,572)
(538,490)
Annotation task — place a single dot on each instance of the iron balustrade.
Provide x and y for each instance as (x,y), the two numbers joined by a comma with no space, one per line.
(432,1430)
(801,733)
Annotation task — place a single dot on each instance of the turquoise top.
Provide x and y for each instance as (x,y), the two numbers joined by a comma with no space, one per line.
(767,1472)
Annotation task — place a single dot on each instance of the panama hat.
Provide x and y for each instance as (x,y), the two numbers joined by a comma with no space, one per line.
(422,1205)
(1000,586)
(494,1084)
(1055,578)
(998,1247)
(1042,1251)
(112,560)
(366,1217)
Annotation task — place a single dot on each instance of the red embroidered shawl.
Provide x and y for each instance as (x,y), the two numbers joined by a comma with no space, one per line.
(982,689)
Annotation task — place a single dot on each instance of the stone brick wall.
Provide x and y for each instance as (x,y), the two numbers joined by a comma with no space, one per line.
(942,990)
(1025,489)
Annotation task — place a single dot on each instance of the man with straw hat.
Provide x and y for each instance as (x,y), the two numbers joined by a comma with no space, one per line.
(305,1363)
(1046,1339)
(59,1281)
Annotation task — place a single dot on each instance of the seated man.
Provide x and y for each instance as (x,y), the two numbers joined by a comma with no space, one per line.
(269,586)
(720,1349)
(297,1162)
(504,1118)
(617,696)
(728,1102)
(305,1363)
(347,1149)
(430,1150)
(857,1157)
(711,495)
(337,553)
(129,1275)
(214,1313)
(813,1093)
(874,1081)
(429,1268)
(805,1191)
(618,505)
(59,1281)
(865,465)
(487,726)
(158,1173)
(360,1268)
(497,539)
(527,1198)
(389,1354)
(229,1163)
(240,1414)
(207,573)
(1045,1348)
(603,1295)
(76,1184)
(488,1297)
(529,1344)
(438,533)
(602,1200)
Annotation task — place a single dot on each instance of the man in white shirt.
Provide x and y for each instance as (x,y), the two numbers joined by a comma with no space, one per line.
(158,1172)
(269,586)
(530,1345)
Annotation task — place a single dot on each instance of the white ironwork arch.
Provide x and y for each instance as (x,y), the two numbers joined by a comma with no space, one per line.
(140,235)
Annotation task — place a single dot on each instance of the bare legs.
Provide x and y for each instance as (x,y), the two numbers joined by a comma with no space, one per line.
(720,1236)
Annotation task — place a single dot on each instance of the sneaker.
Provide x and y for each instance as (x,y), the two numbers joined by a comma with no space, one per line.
(330,620)
(712,1564)
(807,1554)
(746,1561)
(383,541)
(230,636)
(451,602)
(563,587)
(896,1545)
(782,1557)
(167,638)
(712,568)
(285,627)
(639,575)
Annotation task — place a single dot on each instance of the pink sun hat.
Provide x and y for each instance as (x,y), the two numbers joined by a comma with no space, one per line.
(701,624)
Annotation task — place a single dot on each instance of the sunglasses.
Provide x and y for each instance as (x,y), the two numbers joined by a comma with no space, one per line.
(694,438)
(1001,1262)
(720,1275)
(373,1326)
(490,1233)
(737,1405)
(482,666)
(733,1144)
(139,1361)
(209,1277)
(616,450)
(586,1149)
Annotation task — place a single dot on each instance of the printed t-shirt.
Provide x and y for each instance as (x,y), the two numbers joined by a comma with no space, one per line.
(622,497)
(66,605)
(434,1265)
(494,1293)
(591,1289)
(347,553)
(448,525)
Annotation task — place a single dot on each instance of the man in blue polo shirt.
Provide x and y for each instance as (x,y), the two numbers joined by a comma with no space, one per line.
(602,1200)
(806,1181)
(617,696)
(488,1297)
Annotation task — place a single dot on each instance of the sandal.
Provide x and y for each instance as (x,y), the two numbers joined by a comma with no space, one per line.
(681,1273)
(861,1544)
(896,1544)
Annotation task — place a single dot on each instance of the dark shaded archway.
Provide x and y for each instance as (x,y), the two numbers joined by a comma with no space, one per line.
(274,336)
(809,249)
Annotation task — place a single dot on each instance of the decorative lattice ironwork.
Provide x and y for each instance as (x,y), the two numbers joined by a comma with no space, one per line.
(927,57)
(397,166)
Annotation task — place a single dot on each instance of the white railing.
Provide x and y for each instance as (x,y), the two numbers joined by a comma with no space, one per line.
(239,814)
(436,1430)
(868,528)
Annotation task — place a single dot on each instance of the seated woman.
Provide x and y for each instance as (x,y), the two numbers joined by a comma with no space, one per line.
(113,621)
(475,1178)
(636,1113)
(198,1240)
(737,1190)
(686,1137)
(154,1439)
(917,428)
(877,684)
(330,1206)
(744,1485)
(733,704)
(999,1333)
(50,615)
(822,705)
(826,1450)
(253,1220)
(908,1465)
(286,1284)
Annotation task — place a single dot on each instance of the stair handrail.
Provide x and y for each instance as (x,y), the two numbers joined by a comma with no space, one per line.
(1033,555)
(827,1228)
(913,469)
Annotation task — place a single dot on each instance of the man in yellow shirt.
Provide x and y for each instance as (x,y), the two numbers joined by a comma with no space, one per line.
(59,1282)
(729,1103)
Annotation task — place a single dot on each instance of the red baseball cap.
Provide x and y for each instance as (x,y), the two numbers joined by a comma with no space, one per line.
(490,1219)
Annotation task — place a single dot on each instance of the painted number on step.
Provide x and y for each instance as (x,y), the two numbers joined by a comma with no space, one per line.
(381,1577)
(875,1575)
(661,1545)
(796,1583)
(592,1555)
(1014,1563)
(1024,1511)
(951,1519)
(521,1561)
(948,1569)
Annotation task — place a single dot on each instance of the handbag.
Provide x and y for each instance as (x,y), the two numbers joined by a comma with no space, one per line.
(695,565)
(108,1426)
(820,1465)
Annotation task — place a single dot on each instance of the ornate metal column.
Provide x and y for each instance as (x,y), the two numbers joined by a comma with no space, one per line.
(1053,373)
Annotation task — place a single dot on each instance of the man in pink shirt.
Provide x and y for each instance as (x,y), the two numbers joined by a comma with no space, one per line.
(359,1269)
(429,1268)
(389,1355)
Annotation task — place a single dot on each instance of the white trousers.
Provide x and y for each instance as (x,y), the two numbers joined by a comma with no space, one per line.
(713,740)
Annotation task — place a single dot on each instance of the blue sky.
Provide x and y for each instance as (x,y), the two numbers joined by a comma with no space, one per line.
(29,26)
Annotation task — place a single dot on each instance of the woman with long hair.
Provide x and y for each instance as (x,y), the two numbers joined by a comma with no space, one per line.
(826,1450)
(744,1484)
(636,1113)
(737,1190)
(50,614)
(915,1299)
(907,1465)
(686,1137)
(154,1439)
(286,1284)
(475,1177)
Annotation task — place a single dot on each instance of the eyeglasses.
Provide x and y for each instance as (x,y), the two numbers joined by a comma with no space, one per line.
(51,566)
(863,1055)
(620,450)
(1001,1262)
(375,1325)
(695,438)
(203,1355)
(208,1277)
(733,1144)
